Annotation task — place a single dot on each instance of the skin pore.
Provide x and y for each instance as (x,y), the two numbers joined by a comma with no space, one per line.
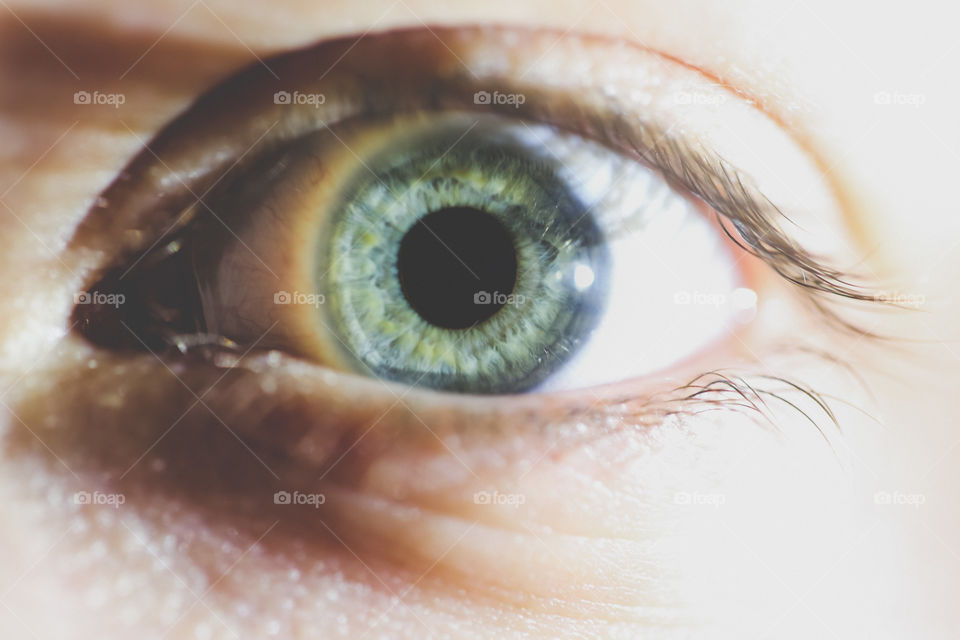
(631,524)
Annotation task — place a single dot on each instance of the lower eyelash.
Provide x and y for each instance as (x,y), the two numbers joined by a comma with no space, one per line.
(720,390)
(755,393)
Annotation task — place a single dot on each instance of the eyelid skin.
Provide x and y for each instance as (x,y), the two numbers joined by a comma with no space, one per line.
(629,98)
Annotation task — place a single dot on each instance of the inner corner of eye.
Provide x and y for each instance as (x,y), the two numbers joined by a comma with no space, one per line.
(463,252)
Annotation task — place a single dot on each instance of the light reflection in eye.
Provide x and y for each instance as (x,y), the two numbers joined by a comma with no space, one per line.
(583,276)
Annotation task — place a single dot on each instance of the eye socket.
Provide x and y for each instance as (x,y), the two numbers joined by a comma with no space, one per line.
(329,240)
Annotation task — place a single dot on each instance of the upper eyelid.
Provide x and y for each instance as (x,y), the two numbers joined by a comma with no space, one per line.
(683,161)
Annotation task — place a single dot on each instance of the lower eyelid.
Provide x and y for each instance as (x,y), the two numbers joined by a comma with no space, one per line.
(298,410)
(304,413)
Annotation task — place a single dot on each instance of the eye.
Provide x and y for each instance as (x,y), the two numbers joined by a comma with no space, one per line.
(465,252)
(444,234)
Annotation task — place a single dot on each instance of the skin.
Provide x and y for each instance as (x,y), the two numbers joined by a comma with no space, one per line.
(717,527)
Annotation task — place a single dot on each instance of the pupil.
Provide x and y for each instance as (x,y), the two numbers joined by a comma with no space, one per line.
(456,266)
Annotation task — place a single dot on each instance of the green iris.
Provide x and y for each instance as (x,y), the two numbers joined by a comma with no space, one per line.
(459,259)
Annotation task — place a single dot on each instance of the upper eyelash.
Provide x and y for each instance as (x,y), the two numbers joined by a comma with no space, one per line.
(735,201)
